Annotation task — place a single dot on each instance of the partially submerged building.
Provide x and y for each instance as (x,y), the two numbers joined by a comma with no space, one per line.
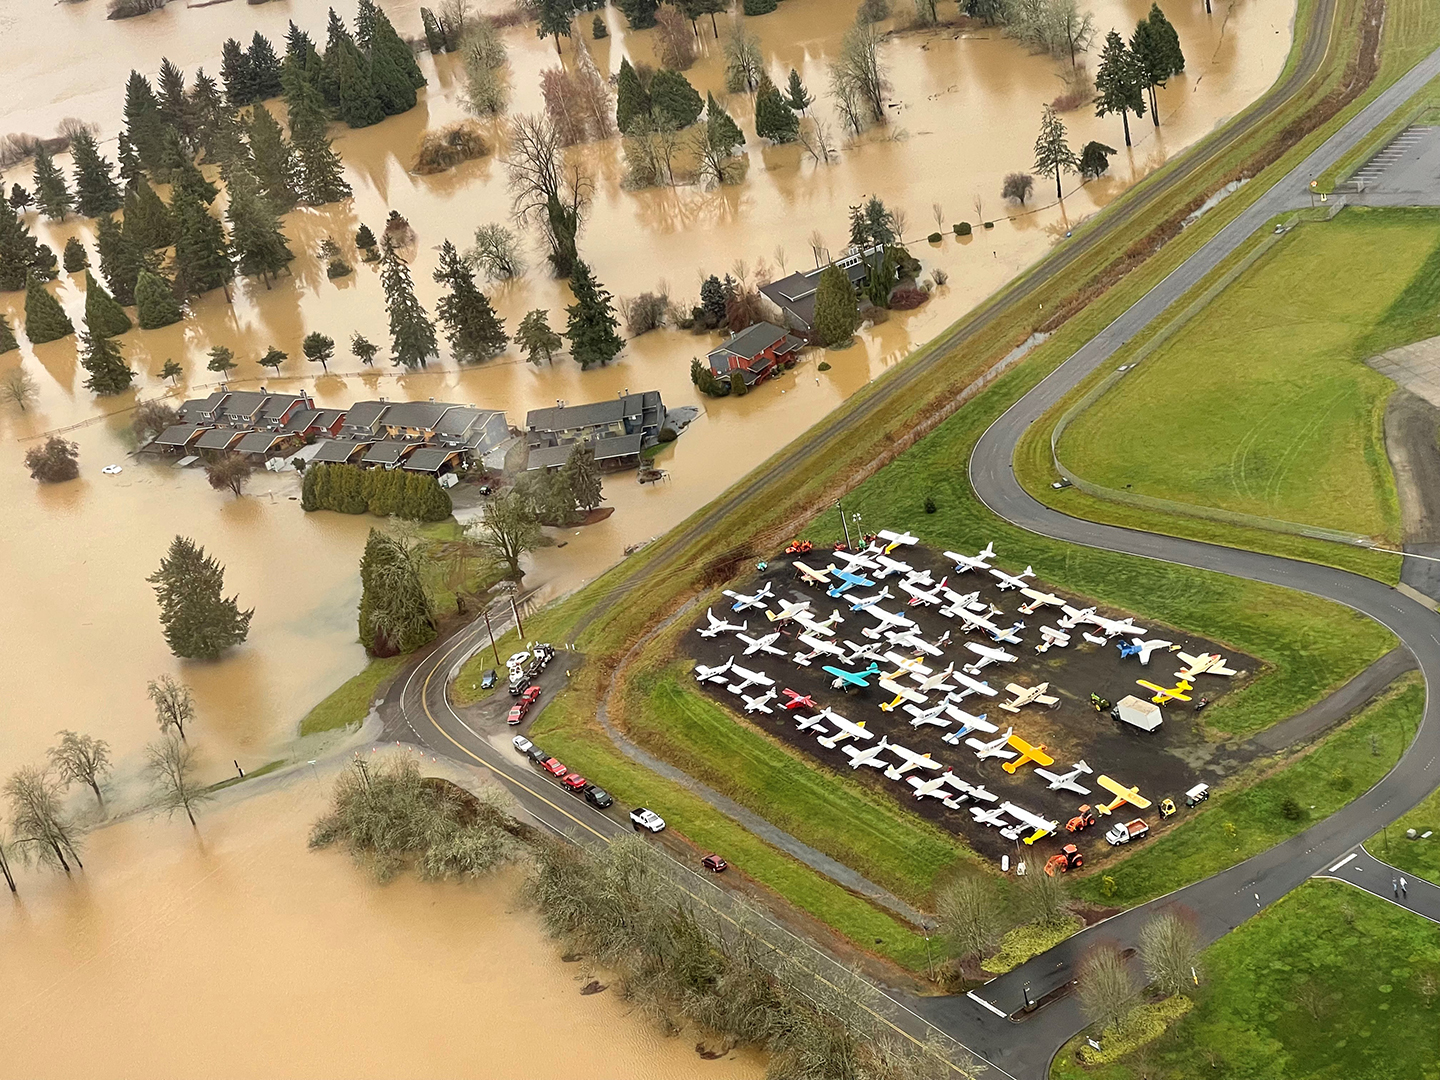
(794,294)
(756,353)
(616,430)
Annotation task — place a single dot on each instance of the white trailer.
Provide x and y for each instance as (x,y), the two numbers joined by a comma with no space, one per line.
(1145,715)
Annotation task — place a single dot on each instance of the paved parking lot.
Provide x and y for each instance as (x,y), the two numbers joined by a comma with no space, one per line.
(1405,173)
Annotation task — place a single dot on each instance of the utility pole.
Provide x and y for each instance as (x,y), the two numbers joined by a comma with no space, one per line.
(493,650)
(516,612)
(843,523)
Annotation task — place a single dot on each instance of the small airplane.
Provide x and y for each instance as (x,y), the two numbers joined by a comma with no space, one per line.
(1074,616)
(714,674)
(974,621)
(761,703)
(1028,753)
(1115,627)
(1142,649)
(1067,781)
(1162,695)
(1028,695)
(817,646)
(761,644)
(1043,826)
(972,562)
(895,540)
(906,663)
(1123,795)
(844,730)
(788,610)
(798,700)
(845,580)
(1038,600)
(743,602)
(919,577)
(1016,581)
(748,679)
(937,787)
(901,692)
(825,628)
(868,651)
(920,595)
(929,683)
(967,723)
(958,603)
(997,748)
(909,762)
(1094,639)
(863,602)
(1009,634)
(869,755)
(1204,664)
(994,818)
(971,686)
(813,723)
(890,566)
(887,621)
(852,560)
(809,575)
(912,639)
(719,626)
(1052,638)
(930,715)
(852,680)
(974,791)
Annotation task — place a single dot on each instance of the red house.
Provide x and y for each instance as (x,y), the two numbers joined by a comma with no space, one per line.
(756,352)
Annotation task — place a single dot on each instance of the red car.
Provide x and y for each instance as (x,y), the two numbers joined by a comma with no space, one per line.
(516,714)
(714,863)
(531,695)
(575,782)
(554,767)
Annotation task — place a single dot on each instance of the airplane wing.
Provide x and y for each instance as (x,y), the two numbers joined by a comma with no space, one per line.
(1130,795)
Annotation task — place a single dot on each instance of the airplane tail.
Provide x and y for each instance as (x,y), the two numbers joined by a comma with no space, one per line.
(989,551)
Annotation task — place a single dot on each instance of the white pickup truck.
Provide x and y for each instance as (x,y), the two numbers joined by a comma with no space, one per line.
(1125,831)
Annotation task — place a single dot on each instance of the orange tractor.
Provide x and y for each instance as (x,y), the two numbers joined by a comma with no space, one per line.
(1082,820)
(799,547)
(1068,859)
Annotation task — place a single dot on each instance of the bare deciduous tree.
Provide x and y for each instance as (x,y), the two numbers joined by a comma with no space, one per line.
(1168,947)
(969,914)
(816,140)
(18,389)
(938,213)
(81,759)
(856,74)
(546,188)
(744,63)
(171,764)
(40,824)
(174,704)
(496,253)
(1107,987)
(10,874)
(674,38)
(1043,898)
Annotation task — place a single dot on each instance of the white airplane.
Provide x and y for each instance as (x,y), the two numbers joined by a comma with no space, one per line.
(986,656)
(817,646)
(1143,649)
(748,679)
(868,651)
(719,626)
(1074,616)
(1204,664)
(911,664)
(909,762)
(863,602)
(930,715)
(890,566)
(810,575)
(936,787)
(844,730)
(958,603)
(911,639)
(813,723)
(921,595)
(788,610)
(714,674)
(919,577)
(974,621)
(761,703)
(1016,581)
(742,602)
(1067,781)
(761,644)
(1052,638)
(901,692)
(887,621)
(1026,820)
(869,755)
(1040,599)
(895,540)
(971,686)
(997,748)
(972,562)
(1008,634)
(824,628)
(852,561)
(1028,695)
(994,818)
(935,682)
(1112,627)
(1093,639)
(967,723)
(974,791)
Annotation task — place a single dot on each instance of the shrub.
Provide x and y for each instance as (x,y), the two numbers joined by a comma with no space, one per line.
(645,313)
(128,9)
(737,384)
(150,418)
(989,224)
(935,238)
(350,489)
(667,434)
(1144,1024)
(873,11)
(929,504)
(824,365)
(908,296)
(1290,809)
(760,7)
(963,229)
(448,146)
(338,268)
(1017,188)
(940,276)
(57,460)
(597,29)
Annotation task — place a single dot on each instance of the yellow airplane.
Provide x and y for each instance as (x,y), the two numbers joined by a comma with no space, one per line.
(1123,795)
(1028,754)
(1163,695)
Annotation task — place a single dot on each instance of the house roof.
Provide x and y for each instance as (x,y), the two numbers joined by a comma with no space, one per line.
(245,403)
(337,450)
(364,414)
(608,448)
(259,442)
(178,434)
(387,452)
(429,459)
(459,419)
(300,421)
(750,342)
(423,415)
(795,293)
(326,418)
(218,439)
(276,404)
(594,414)
(193,409)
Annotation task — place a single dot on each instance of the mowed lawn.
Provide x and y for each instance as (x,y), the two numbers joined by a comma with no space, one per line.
(1262,403)
(1330,982)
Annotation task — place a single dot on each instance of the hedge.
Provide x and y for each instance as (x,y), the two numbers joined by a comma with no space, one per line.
(349,489)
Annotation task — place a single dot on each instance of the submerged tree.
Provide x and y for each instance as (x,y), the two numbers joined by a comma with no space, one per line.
(51,193)
(592,324)
(174,705)
(171,764)
(103,315)
(507,530)
(1118,82)
(41,824)
(396,615)
(471,326)
(107,371)
(837,314)
(199,621)
(547,189)
(45,319)
(1052,152)
(536,339)
(81,759)
(412,334)
(96,192)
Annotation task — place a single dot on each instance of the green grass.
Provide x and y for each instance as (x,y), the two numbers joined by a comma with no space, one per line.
(465,690)
(350,702)
(268,767)
(1419,857)
(1029,939)
(1320,782)
(1330,983)
(1263,404)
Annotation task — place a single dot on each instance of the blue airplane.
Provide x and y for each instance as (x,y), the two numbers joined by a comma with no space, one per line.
(854,679)
(1127,649)
(846,580)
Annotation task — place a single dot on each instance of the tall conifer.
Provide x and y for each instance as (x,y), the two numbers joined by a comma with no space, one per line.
(273,159)
(45,319)
(51,193)
(144,126)
(103,314)
(259,245)
(592,327)
(19,250)
(471,326)
(109,374)
(202,252)
(237,73)
(96,192)
(121,257)
(148,221)
(412,334)
(264,68)
(155,304)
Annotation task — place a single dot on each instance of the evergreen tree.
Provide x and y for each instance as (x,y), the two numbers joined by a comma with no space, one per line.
(412,334)
(319,349)
(392,86)
(103,316)
(1156,49)
(144,126)
(19,250)
(148,221)
(96,192)
(363,348)
(259,246)
(51,193)
(108,372)
(1169,40)
(1118,82)
(222,361)
(673,100)
(774,119)
(264,68)
(155,304)
(273,159)
(336,39)
(1095,159)
(536,339)
(395,611)
(297,43)
(46,267)
(711,8)
(723,133)
(1052,152)
(357,102)
(991,11)
(321,175)
(712,301)
(171,370)
(758,7)
(129,162)
(583,477)
(553,19)
(592,328)
(175,107)
(798,97)
(836,312)
(631,98)
(45,319)
(121,258)
(185,175)
(202,252)
(384,39)
(20,199)
(471,326)
(273,359)
(217,123)
(238,74)
(198,620)
(434,36)
(640,14)
(7,336)
(75,257)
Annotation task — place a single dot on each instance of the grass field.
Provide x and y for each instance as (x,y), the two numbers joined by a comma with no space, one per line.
(1296,794)
(1330,983)
(1419,857)
(1262,404)
(350,702)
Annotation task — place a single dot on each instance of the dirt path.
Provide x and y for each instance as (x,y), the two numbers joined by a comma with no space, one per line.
(1411,424)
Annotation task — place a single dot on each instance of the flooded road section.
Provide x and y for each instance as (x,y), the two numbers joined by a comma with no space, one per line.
(239,953)
(79,620)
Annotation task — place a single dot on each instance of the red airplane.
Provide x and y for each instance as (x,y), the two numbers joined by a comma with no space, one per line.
(799,701)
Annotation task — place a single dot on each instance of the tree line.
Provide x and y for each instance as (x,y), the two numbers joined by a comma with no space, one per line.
(349,489)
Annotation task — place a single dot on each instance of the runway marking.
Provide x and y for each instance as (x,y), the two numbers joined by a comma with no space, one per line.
(1342,862)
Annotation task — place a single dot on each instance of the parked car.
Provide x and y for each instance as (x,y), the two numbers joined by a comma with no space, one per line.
(531,695)
(538,756)
(714,863)
(648,820)
(575,783)
(598,797)
(488,679)
(516,714)
(554,767)
(523,744)
(1125,831)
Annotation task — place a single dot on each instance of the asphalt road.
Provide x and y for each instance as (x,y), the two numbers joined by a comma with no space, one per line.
(1224,901)
(1398,887)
